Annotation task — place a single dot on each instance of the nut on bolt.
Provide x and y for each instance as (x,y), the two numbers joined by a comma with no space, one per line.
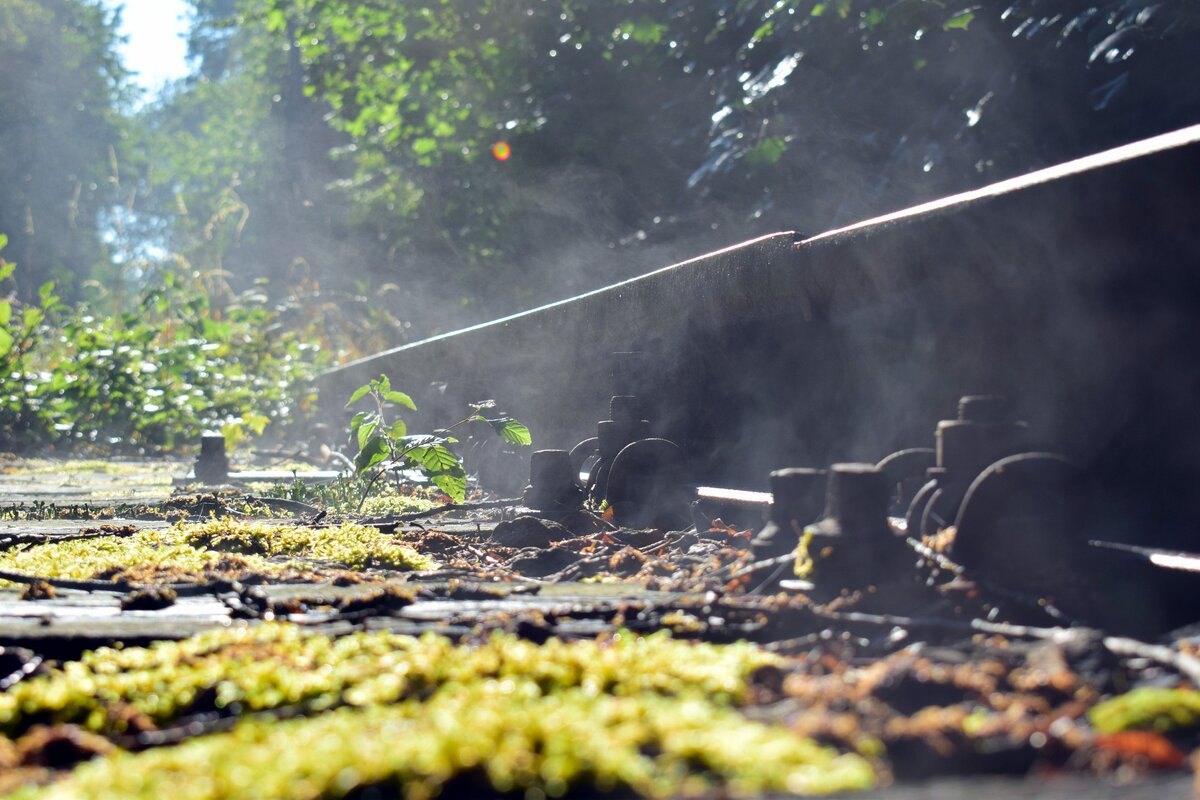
(212,467)
(552,484)
(796,498)
(852,549)
(624,427)
(855,504)
(984,432)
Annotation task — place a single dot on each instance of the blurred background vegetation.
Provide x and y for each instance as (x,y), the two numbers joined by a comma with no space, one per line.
(330,163)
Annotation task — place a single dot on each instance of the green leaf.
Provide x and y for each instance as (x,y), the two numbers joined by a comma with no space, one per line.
(3,240)
(358,420)
(46,293)
(364,433)
(511,431)
(434,458)
(400,399)
(455,486)
(767,152)
(359,394)
(6,342)
(6,268)
(398,429)
(255,422)
(276,21)
(959,21)
(215,331)
(5,312)
(375,451)
(645,31)
(234,434)
(424,145)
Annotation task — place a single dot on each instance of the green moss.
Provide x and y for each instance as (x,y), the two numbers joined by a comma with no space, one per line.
(356,546)
(389,501)
(82,559)
(504,735)
(1148,707)
(197,546)
(646,714)
(279,664)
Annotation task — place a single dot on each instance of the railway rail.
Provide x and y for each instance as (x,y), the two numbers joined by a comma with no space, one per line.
(1072,290)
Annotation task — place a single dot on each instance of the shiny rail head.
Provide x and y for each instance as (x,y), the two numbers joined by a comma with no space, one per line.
(735,497)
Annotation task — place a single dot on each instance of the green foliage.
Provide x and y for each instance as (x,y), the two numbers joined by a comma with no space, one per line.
(177,359)
(384,444)
(335,145)
(960,21)
(421,92)
(318,134)
(510,430)
(768,151)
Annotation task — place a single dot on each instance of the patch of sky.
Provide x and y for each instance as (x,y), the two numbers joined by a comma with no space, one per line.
(154,49)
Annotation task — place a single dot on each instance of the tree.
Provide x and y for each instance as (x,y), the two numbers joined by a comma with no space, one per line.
(239,156)
(61,136)
(590,98)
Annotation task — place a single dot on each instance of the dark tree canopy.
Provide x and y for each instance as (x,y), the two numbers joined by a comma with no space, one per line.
(61,136)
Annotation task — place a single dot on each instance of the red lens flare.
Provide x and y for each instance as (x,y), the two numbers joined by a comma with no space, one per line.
(501,151)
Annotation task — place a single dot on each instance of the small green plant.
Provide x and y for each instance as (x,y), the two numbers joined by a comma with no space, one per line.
(384,443)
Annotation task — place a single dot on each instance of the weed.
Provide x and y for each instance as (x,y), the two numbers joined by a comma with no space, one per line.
(384,443)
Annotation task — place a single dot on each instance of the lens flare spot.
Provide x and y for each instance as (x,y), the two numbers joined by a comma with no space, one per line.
(501,151)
